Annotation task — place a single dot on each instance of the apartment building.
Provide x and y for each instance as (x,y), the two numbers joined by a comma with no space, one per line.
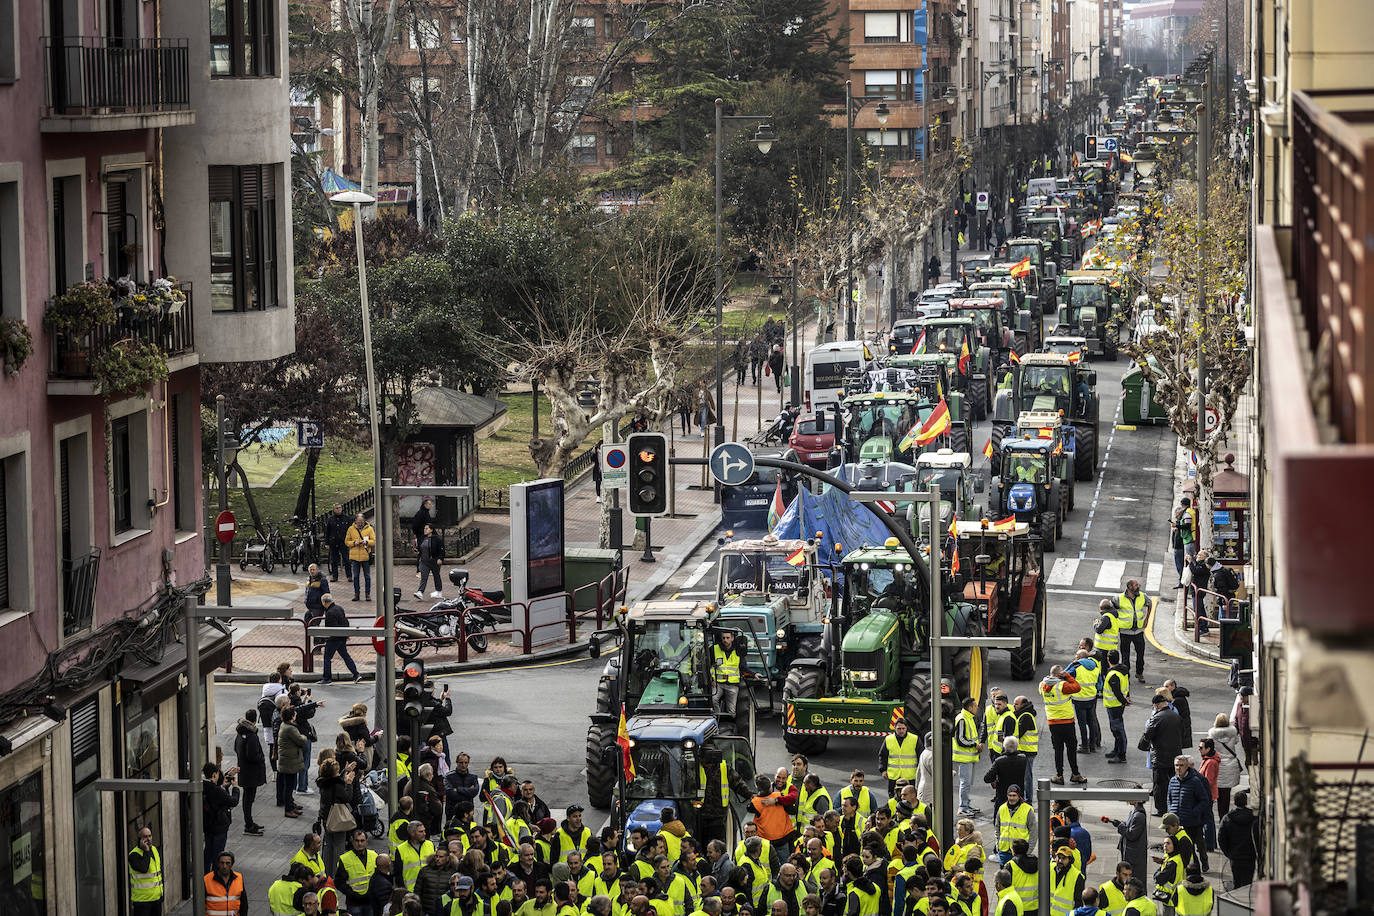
(144,140)
(1310,65)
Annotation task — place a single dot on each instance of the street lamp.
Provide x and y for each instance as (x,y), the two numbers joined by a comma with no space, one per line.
(764,138)
(775,296)
(385,606)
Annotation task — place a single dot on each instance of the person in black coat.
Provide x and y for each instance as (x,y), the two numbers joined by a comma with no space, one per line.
(423,516)
(335,528)
(1236,838)
(252,767)
(440,710)
(775,366)
(336,788)
(219,796)
(1179,699)
(1009,769)
(305,706)
(1163,738)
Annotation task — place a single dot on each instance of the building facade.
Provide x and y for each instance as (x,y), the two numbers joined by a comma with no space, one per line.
(145,142)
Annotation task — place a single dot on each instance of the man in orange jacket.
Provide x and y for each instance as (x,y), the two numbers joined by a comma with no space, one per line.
(771,819)
(1056,689)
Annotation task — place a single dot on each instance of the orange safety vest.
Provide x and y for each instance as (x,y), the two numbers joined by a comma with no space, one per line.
(221,900)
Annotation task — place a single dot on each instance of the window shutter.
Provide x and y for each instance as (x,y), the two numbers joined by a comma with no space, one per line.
(85,728)
(4,539)
(66,497)
(221,182)
(251,182)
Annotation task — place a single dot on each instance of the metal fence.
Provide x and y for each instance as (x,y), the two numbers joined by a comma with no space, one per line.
(173,332)
(96,75)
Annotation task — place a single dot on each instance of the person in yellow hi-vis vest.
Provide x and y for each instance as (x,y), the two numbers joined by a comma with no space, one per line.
(145,876)
(965,751)
(897,758)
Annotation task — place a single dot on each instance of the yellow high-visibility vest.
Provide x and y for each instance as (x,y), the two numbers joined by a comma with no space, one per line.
(1115,898)
(359,870)
(1190,904)
(1025,883)
(1061,891)
(965,748)
(145,887)
(868,902)
(1012,825)
(726,665)
(1123,681)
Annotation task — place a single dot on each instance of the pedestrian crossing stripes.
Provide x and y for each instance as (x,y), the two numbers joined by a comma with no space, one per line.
(699,573)
(1093,575)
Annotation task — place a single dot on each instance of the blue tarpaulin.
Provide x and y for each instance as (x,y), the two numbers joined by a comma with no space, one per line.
(838,519)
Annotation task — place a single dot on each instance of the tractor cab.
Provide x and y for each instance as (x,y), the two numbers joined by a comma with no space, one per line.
(1026,488)
(1090,307)
(988,315)
(876,426)
(774,592)
(1062,385)
(971,369)
(952,472)
(1048,427)
(1075,348)
(668,645)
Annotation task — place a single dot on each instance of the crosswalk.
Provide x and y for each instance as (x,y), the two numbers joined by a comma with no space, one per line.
(1102,575)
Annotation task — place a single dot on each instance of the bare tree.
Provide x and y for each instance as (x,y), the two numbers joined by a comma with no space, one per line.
(371,40)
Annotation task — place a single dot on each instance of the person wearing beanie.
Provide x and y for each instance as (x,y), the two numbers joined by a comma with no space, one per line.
(1238,839)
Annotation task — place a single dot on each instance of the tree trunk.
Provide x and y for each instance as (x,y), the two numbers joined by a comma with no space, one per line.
(247,492)
(312,458)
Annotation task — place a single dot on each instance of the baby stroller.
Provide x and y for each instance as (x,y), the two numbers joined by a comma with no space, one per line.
(369,818)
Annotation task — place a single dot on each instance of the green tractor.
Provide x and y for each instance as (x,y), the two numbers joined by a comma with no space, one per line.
(1092,307)
(988,314)
(953,473)
(971,372)
(1049,228)
(662,671)
(1046,270)
(878,426)
(933,380)
(1058,383)
(1020,309)
(1002,571)
(874,666)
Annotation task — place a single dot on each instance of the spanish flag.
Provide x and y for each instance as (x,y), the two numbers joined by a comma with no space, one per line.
(987,450)
(954,560)
(1126,157)
(622,738)
(922,433)
(1014,357)
(963,358)
(1076,356)
(954,527)
(868,354)
(798,558)
(777,507)
(1004,524)
(1021,267)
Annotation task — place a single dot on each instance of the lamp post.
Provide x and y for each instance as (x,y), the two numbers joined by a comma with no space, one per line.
(853,104)
(764,138)
(775,297)
(385,606)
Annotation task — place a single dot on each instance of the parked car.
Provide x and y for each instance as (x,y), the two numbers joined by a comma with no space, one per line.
(904,334)
(813,439)
(1145,325)
(746,506)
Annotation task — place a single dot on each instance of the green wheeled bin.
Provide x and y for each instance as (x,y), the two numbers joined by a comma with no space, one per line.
(1139,404)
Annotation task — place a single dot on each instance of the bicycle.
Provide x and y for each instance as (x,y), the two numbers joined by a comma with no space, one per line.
(277,544)
(305,550)
(257,549)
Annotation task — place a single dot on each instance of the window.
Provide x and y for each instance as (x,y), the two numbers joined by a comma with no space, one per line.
(881,83)
(580,91)
(14,533)
(142,760)
(129,473)
(243,38)
(883,28)
(455,29)
(11,250)
(582,27)
(90,860)
(121,224)
(68,249)
(80,561)
(243,237)
(584,149)
(425,33)
(21,834)
(185,464)
(9,42)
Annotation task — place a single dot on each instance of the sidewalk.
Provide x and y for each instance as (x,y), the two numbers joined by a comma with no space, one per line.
(260,646)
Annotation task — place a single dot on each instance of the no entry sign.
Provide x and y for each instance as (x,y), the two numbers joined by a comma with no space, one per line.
(225,526)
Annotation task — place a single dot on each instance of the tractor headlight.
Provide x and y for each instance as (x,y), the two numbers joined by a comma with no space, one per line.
(863,566)
(781,634)
(864,675)
(689,744)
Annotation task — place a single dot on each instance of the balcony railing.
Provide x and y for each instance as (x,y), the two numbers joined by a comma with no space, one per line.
(170,329)
(93,75)
(1333,218)
(78,592)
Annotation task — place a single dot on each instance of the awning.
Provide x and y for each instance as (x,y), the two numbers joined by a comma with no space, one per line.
(159,681)
(27,730)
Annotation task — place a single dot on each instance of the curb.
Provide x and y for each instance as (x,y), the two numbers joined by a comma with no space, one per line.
(693,541)
(1183,637)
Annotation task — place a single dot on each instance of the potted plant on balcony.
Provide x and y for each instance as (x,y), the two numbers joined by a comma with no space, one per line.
(16,344)
(128,366)
(72,315)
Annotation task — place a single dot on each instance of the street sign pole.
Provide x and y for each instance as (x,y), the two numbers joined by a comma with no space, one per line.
(222,590)
(1045,792)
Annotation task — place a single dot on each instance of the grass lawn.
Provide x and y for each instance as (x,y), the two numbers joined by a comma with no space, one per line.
(339,475)
(262,462)
(505,457)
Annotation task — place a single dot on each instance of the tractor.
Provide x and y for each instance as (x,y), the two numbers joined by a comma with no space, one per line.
(661,675)
(1021,310)
(874,666)
(1002,572)
(1025,487)
(1048,426)
(878,426)
(972,369)
(1046,270)
(1052,381)
(1092,307)
(933,380)
(988,317)
(775,592)
(1049,228)
(953,473)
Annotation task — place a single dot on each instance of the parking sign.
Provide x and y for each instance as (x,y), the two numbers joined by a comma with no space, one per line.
(309,434)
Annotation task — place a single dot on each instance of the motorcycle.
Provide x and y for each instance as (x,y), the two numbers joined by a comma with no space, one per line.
(470,612)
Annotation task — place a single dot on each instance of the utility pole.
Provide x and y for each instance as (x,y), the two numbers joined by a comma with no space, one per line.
(1204,141)
(848,211)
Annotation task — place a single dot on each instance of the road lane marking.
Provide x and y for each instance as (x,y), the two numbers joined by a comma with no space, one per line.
(699,573)
(1073,591)
(1101,473)
(1065,568)
(1154,575)
(1109,575)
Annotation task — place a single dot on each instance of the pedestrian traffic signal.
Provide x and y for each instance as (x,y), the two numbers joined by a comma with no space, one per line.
(648,473)
(413,690)
(1090,146)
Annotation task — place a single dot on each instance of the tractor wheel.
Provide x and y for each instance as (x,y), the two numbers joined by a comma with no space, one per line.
(958,439)
(1023,659)
(996,435)
(808,647)
(805,684)
(1085,452)
(1020,344)
(978,394)
(603,696)
(1049,520)
(601,765)
(918,700)
(968,668)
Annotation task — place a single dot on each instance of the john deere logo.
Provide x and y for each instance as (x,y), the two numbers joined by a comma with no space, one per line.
(840,720)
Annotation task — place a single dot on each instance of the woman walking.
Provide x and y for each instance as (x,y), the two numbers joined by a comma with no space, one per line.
(431,555)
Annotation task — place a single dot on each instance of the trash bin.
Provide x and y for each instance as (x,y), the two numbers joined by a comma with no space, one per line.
(581,566)
(1139,404)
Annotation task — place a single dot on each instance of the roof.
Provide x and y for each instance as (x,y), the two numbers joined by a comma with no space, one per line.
(1046,418)
(1066,339)
(668,610)
(1045,359)
(447,407)
(671,728)
(975,527)
(768,542)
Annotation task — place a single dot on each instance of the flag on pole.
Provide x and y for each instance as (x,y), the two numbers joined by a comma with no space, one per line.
(922,433)
(1014,357)
(797,558)
(1021,267)
(920,344)
(954,527)
(1004,524)
(1127,157)
(777,507)
(1076,356)
(963,358)
(622,738)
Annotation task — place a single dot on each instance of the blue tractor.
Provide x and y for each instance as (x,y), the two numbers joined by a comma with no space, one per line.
(1028,488)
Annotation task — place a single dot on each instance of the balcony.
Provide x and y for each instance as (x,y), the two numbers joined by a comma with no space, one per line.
(78,592)
(97,84)
(72,358)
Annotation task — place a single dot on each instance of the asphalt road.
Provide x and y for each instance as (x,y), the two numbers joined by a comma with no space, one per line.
(536,716)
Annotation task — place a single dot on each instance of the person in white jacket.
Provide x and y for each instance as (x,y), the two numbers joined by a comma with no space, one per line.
(1229,768)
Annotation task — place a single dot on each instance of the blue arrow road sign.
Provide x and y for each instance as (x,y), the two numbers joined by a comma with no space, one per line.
(1108,144)
(731,464)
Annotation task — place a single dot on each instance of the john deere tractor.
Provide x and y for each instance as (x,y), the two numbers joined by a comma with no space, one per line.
(988,314)
(1058,383)
(1092,307)
(874,666)
(1046,269)
(661,675)
(1002,574)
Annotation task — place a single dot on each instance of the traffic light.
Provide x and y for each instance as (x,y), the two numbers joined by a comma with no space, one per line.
(1090,146)
(648,484)
(413,690)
